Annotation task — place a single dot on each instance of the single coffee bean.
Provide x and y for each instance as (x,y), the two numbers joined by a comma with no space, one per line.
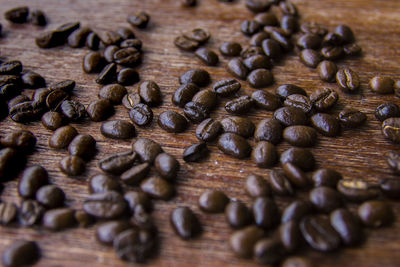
(184,94)
(234,145)
(125,33)
(295,175)
(251,51)
(266,19)
(62,137)
(269,251)
(117,163)
(65,85)
(332,52)
(31,180)
(16,100)
(8,160)
(283,40)
(118,129)
(186,44)
(266,100)
(300,157)
(257,6)
(78,37)
(289,116)
(250,27)
(319,233)
(127,76)
(13,67)
(390,129)
(134,245)
(327,71)
(30,212)
(324,99)
(135,174)
(33,80)
(141,114)
(226,87)
(356,190)
(109,37)
(208,130)
(146,149)
(237,214)
(72,165)
(314,28)
(150,93)
(375,213)
(128,57)
(268,130)
(332,39)
(345,33)
(393,160)
(108,74)
(113,92)
(289,24)
(107,205)
(310,58)
(55,99)
(290,236)
(157,188)
(352,118)
(286,90)
(172,122)
(260,78)
(17,15)
(387,110)
(299,101)
(8,91)
(280,185)
(265,212)
(139,20)
(230,49)
(325,199)
(213,201)
(135,43)
(50,196)
(136,199)
(100,183)
(195,112)
(107,231)
(390,187)
(348,80)
(256,186)
(297,261)
(196,152)
(237,68)
(264,154)
(100,110)
(299,135)
(185,223)
(347,225)
(21,253)
(272,48)
(240,105)
(59,219)
(309,41)
(109,53)
(243,241)
(93,62)
(199,77)
(207,56)
(352,49)
(257,62)
(93,41)
(83,145)
(73,110)
(166,166)
(22,140)
(8,213)
(296,211)
(238,125)
(130,100)
(40,96)
(207,98)
(326,124)
(382,85)
(326,177)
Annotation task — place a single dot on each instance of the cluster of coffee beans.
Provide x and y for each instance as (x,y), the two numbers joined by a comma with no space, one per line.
(22,15)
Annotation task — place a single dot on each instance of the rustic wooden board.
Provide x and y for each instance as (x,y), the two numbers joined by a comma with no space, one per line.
(356,153)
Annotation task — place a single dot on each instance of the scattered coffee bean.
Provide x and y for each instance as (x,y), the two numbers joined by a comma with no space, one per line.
(108,74)
(266,100)
(206,98)
(166,166)
(198,35)
(186,44)
(55,99)
(352,49)
(117,163)
(345,33)
(199,77)
(298,135)
(310,58)
(290,235)
(78,37)
(234,145)
(332,52)
(289,24)
(16,100)
(266,19)
(135,43)
(107,205)
(109,37)
(265,212)
(136,199)
(50,196)
(207,56)
(8,213)
(283,40)
(83,145)
(230,49)
(141,114)
(62,137)
(295,175)
(382,85)
(356,190)
(257,6)
(249,27)
(348,80)
(296,211)
(146,149)
(107,231)
(136,174)
(13,67)
(325,199)
(237,68)
(73,110)
(352,118)
(195,112)
(324,99)
(134,245)
(300,157)
(238,125)
(326,177)
(309,41)
(31,180)
(375,213)
(251,51)
(332,39)
(127,76)
(185,223)
(139,20)
(157,188)
(240,105)
(93,41)
(390,187)
(21,253)
(113,92)
(17,15)
(21,140)
(280,185)
(326,124)
(347,225)
(33,80)
(243,241)
(184,94)
(257,62)
(387,110)
(237,214)
(100,183)
(59,219)
(299,101)
(30,212)
(286,90)
(128,57)
(264,154)
(226,87)
(268,130)
(390,129)
(118,129)
(208,130)
(150,93)
(213,201)
(269,251)
(260,78)
(130,100)
(8,160)
(195,153)
(172,122)
(109,53)
(327,71)
(256,186)
(314,28)
(100,110)
(289,116)
(272,48)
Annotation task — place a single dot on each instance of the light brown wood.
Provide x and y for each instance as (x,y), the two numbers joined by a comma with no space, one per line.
(356,153)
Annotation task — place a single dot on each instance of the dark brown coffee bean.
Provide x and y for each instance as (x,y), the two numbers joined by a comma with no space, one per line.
(296,211)
(150,93)
(230,49)
(8,213)
(314,28)
(289,24)
(286,90)
(93,41)
(50,196)
(257,6)
(237,68)
(113,92)
(125,33)
(234,145)
(93,62)
(199,77)
(345,33)
(332,52)
(8,91)
(106,232)
(347,225)
(324,99)
(289,116)
(62,137)
(268,130)
(297,261)
(31,180)
(310,58)
(55,99)
(387,110)
(83,145)
(207,56)
(272,48)
(127,76)
(186,44)
(326,177)
(326,124)
(352,49)
(108,74)
(288,8)
(213,201)
(184,94)
(100,110)
(139,20)
(8,160)
(118,129)
(172,122)
(381,85)
(208,130)
(319,233)
(166,166)
(332,39)
(256,186)
(30,212)
(141,114)
(33,80)
(266,19)
(146,149)
(78,37)
(375,213)
(356,190)
(136,199)
(65,85)
(109,53)
(13,67)
(299,101)
(283,40)
(130,100)
(109,37)
(347,80)
(290,235)
(135,43)
(251,51)
(195,153)
(206,98)
(265,212)
(226,87)
(59,219)
(243,241)
(50,39)
(128,57)
(21,140)
(249,27)
(198,35)
(107,205)
(280,185)
(240,105)
(73,110)
(390,129)
(39,97)
(309,41)
(237,214)
(352,118)
(295,175)
(325,199)
(260,78)
(266,100)
(238,125)
(135,174)
(16,100)
(264,154)
(390,187)
(185,223)
(269,251)
(195,112)
(257,62)
(21,253)
(258,38)
(117,163)
(327,71)
(17,15)
(157,188)
(300,157)
(298,135)
(134,245)
(100,183)
(72,165)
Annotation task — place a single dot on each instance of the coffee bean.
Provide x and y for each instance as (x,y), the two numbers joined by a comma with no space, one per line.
(146,149)
(78,37)
(107,231)
(118,129)
(172,122)
(269,251)
(310,58)
(185,223)
(166,166)
(309,41)
(65,85)
(296,211)
(230,49)
(348,80)
(266,19)
(266,100)
(283,40)
(280,185)
(326,124)
(33,80)
(251,51)
(157,188)
(17,15)
(127,76)
(50,39)
(347,225)
(390,129)
(327,71)
(289,116)
(298,135)
(300,157)
(195,153)
(352,118)
(184,94)
(272,48)
(332,39)
(59,219)
(265,212)
(130,100)
(249,27)
(356,190)
(240,105)
(30,212)
(8,213)
(199,77)
(134,245)
(352,49)
(314,28)
(150,93)
(142,219)
(256,39)
(83,219)
(286,90)
(21,253)
(40,96)
(290,236)
(128,57)
(234,145)
(297,261)
(113,92)
(375,213)
(186,44)
(109,53)
(332,52)
(139,20)
(31,180)
(13,67)
(345,33)
(50,196)
(141,114)
(243,241)
(73,110)
(319,233)
(260,78)
(264,154)
(256,186)
(16,100)
(135,174)
(325,199)
(238,125)
(382,85)
(107,205)
(108,74)
(195,112)
(21,140)
(8,160)
(237,214)
(289,24)
(135,43)
(109,37)
(226,87)
(83,145)
(25,112)
(268,130)
(299,101)
(326,177)
(93,62)
(93,41)
(55,99)
(100,110)
(387,110)
(288,8)
(72,165)
(295,175)
(207,56)
(257,6)
(117,163)
(100,183)
(8,91)
(136,199)
(257,62)
(125,33)
(206,98)
(390,187)
(237,68)
(62,137)
(324,99)
(213,201)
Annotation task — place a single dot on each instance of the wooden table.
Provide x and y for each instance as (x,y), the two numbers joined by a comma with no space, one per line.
(356,153)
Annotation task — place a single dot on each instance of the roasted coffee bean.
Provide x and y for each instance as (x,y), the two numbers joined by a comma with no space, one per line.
(135,174)
(264,154)
(296,211)
(117,163)
(208,130)
(100,110)
(72,165)
(186,44)
(207,56)
(166,166)
(62,137)
(327,71)
(290,235)
(352,118)
(73,110)
(289,24)
(13,67)
(109,53)
(238,125)
(375,213)
(17,15)
(256,186)
(157,188)
(295,175)
(22,140)
(260,78)
(184,94)
(59,219)
(332,52)
(256,39)
(130,100)
(237,68)
(289,116)
(213,201)
(348,80)
(324,99)
(234,145)
(40,97)
(299,101)
(309,41)
(8,159)
(50,39)
(127,76)
(30,212)
(257,6)
(297,261)
(139,20)
(272,48)
(257,62)
(188,3)
(8,91)
(142,219)
(390,129)
(300,157)
(299,135)
(326,177)
(50,196)
(332,39)
(390,187)
(240,105)
(129,56)
(251,51)
(387,110)
(24,112)
(283,40)
(55,98)
(134,245)
(83,145)
(135,43)
(237,214)
(185,223)
(345,33)
(288,8)
(352,49)
(125,33)
(107,205)
(146,149)
(118,129)
(226,87)
(319,233)
(230,49)
(310,58)
(31,180)
(347,225)
(325,199)
(280,185)
(172,122)
(314,28)
(150,93)
(196,152)
(199,77)
(195,112)
(33,80)
(243,241)
(206,98)
(269,130)
(382,85)
(16,100)
(65,85)
(250,27)
(266,100)
(326,124)
(286,90)
(100,183)
(113,92)
(107,231)
(266,19)
(109,37)
(21,253)
(93,41)
(356,190)
(269,251)
(78,37)
(141,114)
(265,212)
(108,74)
(8,213)
(136,199)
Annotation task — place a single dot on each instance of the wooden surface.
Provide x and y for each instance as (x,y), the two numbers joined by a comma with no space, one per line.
(356,153)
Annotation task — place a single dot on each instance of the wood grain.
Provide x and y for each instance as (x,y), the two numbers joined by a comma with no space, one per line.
(356,153)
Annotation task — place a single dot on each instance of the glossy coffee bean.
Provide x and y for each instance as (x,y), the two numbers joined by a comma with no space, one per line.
(390,187)
(332,52)
(390,129)
(352,118)
(141,114)
(166,166)
(93,41)
(257,62)
(33,80)
(348,80)
(117,163)
(240,105)
(332,39)
(128,57)
(249,27)
(310,58)
(195,153)
(127,76)
(55,99)
(136,199)
(184,94)
(59,219)
(299,101)
(266,100)
(13,67)
(230,49)
(314,28)
(375,213)
(8,213)
(300,157)
(272,48)
(286,90)
(198,77)
(347,225)
(8,160)
(23,112)
(186,44)
(135,43)
(327,71)
(251,51)
(387,110)
(207,56)
(206,98)
(107,205)
(260,78)
(290,235)
(93,62)
(295,175)
(17,15)
(345,33)
(237,68)
(213,201)
(309,41)
(299,135)
(118,129)
(62,137)
(72,165)
(289,116)
(109,53)
(226,87)
(257,186)
(146,149)
(22,140)
(100,110)
(50,196)
(107,231)
(17,100)
(195,112)
(268,130)
(256,39)
(264,154)
(266,19)
(356,190)
(382,85)
(136,174)
(208,130)
(30,212)
(31,180)
(150,93)
(238,125)
(265,212)
(324,99)
(73,110)
(113,93)
(83,145)
(130,100)
(185,223)
(172,122)
(157,188)
(352,49)
(326,177)
(269,251)
(198,34)
(257,6)
(325,199)
(243,241)
(100,183)
(237,214)
(108,74)
(78,37)
(21,253)
(326,124)
(234,145)
(296,211)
